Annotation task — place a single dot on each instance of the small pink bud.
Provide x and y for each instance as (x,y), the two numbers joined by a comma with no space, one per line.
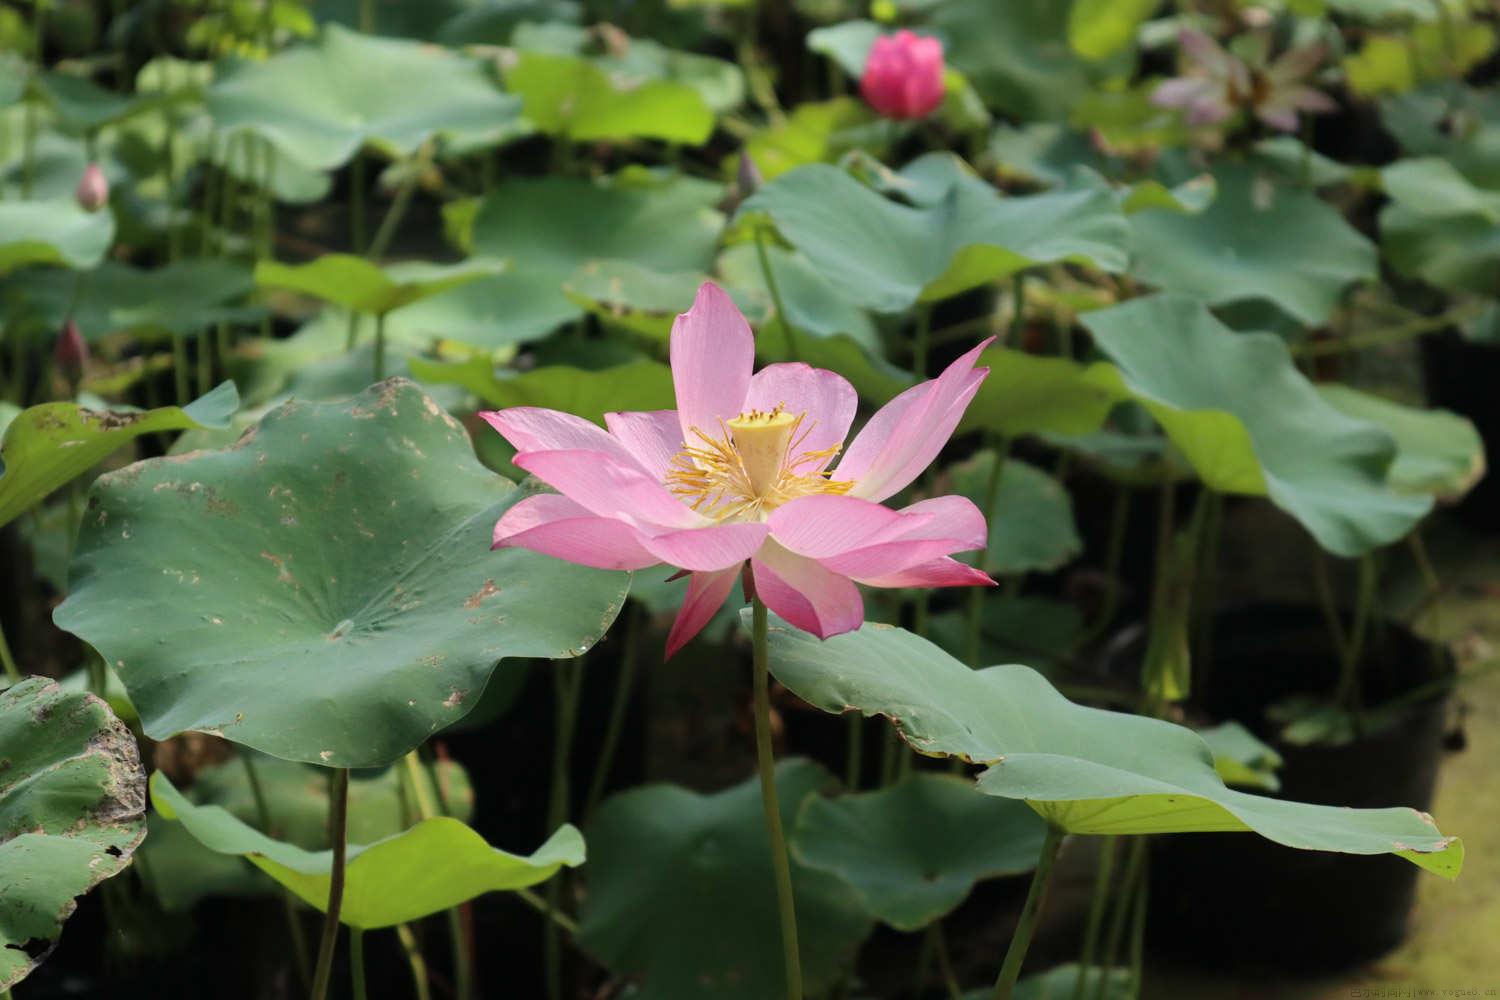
(904,75)
(70,353)
(93,189)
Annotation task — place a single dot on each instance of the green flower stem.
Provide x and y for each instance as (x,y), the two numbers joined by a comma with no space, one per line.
(212,182)
(227,194)
(169,171)
(414,959)
(1348,695)
(764,257)
(357,203)
(399,205)
(420,794)
(1138,931)
(205,363)
(1000,445)
(357,963)
(11,670)
(1114,552)
(1011,971)
(338,833)
(1416,327)
(624,686)
(379,346)
(1018,313)
(1096,915)
(854,751)
(567,687)
(1128,887)
(945,963)
(922,341)
(180,368)
(766,759)
(28,143)
(540,905)
(263,814)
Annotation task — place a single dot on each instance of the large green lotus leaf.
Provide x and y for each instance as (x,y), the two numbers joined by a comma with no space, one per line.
(912,851)
(847,43)
(493,312)
(1086,770)
(814,132)
(1437,452)
(290,180)
(309,362)
(631,62)
(47,445)
(887,256)
(1044,631)
(15,73)
(72,811)
(1440,226)
(1249,422)
(355,283)
(1256,241)
(1100,28)
(432,866)
(1017,56)
(1031,519)
(681,894)
(571,97)
(323,590)
(320,103)
(720,83)
(638,385)
(1044,153)
(185,298)
(1293,161)
(1422,123)
(827,330)
(642,301)
(82,106)
(1242,759)
(53,231)
(813,306)
(553,227)
(180,871)
(1027,394)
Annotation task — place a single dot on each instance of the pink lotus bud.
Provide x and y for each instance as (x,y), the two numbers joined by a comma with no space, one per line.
(70,352)
(904,75)
(93,189)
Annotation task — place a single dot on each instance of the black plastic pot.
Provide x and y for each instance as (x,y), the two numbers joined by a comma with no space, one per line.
(1236,899)
(1461,376)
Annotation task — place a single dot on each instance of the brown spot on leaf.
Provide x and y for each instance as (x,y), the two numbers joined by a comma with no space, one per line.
(481,595)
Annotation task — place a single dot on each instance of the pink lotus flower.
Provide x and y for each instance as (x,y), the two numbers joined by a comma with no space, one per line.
(1218,83)
(904,75)
(70,352)
(92,192)
(741,471)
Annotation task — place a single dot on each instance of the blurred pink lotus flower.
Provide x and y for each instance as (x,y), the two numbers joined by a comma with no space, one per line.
(70,352)
(904,75)
(93,189)
(1218,83)
(741,471)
